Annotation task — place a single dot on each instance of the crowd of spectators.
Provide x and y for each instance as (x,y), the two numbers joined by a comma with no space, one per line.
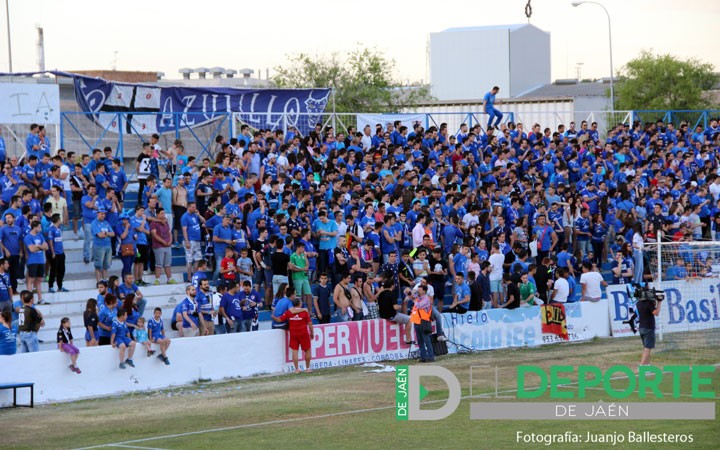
(362,224)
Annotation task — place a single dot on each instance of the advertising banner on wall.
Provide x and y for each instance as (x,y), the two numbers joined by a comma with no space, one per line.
(689,305)
(345,343)
(522,327)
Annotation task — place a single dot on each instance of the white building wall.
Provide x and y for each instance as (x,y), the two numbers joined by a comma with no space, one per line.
(466,64)
(529,60)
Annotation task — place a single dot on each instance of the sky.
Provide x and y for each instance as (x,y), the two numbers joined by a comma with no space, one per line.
(165,35)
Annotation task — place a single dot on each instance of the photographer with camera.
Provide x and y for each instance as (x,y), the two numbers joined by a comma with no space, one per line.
(648,306)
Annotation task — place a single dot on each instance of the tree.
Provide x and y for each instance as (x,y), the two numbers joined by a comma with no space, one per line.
(362,80)
(664,82)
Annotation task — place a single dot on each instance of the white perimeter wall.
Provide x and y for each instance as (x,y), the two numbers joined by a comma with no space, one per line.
(210,357)
(246,354)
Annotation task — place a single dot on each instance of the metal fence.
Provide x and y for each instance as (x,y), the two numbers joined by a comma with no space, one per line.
(81,131)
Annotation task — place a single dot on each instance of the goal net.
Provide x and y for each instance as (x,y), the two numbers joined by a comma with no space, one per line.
(688,273)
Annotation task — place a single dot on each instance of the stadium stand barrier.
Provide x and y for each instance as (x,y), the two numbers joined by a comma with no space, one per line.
(336,344)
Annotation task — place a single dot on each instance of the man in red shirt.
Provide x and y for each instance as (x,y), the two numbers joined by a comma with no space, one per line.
(299,320)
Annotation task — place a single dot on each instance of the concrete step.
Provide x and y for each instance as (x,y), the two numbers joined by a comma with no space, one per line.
(74,253)
(50,343)
(85,279)
(52,323)
(64,303)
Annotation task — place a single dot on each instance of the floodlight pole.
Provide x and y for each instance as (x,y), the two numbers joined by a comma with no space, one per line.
(612,72)
(7,17)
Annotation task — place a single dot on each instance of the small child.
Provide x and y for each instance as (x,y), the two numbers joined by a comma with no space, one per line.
(120,339)
(421,266)
(244,266)
(156,334)
(65,343)
(227,265)
(299,320)
(474,265)
(141,336)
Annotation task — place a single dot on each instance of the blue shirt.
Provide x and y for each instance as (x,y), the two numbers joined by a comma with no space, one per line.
(8,341)
(8,188)
(451,233)
(544,236)
(156,327)
(205,306)
(88,214)
(582,224)
(197,278)
(563,258)
(489,99)
(164,196)
(250,312)
(37,257)
(4,287)
(119,329)
(221,233)
(231,304)
(31,141)
(55,237)
(461,292)
(10,237)
(599,232)
(192,222)
(309,247)
(623,268)
(124,290)
(386,245)
(101,227)
(188,306)
(117,180)
(279,308)
(135,223)
(327,242)
(460,262)
(100,179)
(106,317)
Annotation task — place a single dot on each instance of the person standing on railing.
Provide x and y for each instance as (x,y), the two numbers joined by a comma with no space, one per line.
(489,107)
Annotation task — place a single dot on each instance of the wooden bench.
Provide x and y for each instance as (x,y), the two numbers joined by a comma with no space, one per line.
(14,387)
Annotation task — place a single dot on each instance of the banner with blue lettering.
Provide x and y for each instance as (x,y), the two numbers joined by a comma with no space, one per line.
(689,305)
(156,109)
(522,327)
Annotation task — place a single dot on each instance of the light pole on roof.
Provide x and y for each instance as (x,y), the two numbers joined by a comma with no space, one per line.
(612,75)
(7,17)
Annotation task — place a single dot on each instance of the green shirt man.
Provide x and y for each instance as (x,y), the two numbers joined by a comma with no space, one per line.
(299,260)
(527,289)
